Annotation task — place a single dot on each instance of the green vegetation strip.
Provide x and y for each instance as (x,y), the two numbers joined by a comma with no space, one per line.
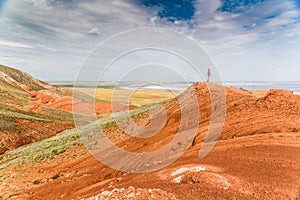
(53,146)
(21,116)
(47,148)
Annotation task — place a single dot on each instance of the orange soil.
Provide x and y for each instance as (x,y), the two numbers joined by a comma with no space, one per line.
(258,157)
(68,103)
(264,166)
(31,131)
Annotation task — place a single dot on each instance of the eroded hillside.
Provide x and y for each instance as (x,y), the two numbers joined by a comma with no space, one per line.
(256,157)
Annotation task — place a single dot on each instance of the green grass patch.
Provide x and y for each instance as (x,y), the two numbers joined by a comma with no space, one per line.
(56,114)
(22,115)
(107,85)
(77,94)
(44,149)
(7,123)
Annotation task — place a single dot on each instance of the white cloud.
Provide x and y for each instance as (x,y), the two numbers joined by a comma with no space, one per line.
(93,31)
(15,44)
(62,34)
(283,19)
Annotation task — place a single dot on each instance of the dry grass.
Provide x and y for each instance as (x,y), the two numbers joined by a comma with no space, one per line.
(131,97)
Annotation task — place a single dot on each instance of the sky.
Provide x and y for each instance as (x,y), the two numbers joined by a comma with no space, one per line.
(247,40)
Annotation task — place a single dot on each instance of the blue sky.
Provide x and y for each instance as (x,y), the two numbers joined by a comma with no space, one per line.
(250,40)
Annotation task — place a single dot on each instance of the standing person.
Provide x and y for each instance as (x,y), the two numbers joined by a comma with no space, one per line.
(208,74)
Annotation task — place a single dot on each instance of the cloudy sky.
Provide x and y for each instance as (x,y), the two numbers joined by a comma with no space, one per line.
(251,40)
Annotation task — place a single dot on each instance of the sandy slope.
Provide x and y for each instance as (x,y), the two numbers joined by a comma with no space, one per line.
(258,157)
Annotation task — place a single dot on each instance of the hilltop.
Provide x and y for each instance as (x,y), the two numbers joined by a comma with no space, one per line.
(256,156)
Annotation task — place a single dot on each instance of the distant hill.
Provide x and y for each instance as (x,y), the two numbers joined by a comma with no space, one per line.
(32,110)
(21,79)
(22,121)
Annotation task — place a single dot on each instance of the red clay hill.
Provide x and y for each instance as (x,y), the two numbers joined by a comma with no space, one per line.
(31,110)
(256,157)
